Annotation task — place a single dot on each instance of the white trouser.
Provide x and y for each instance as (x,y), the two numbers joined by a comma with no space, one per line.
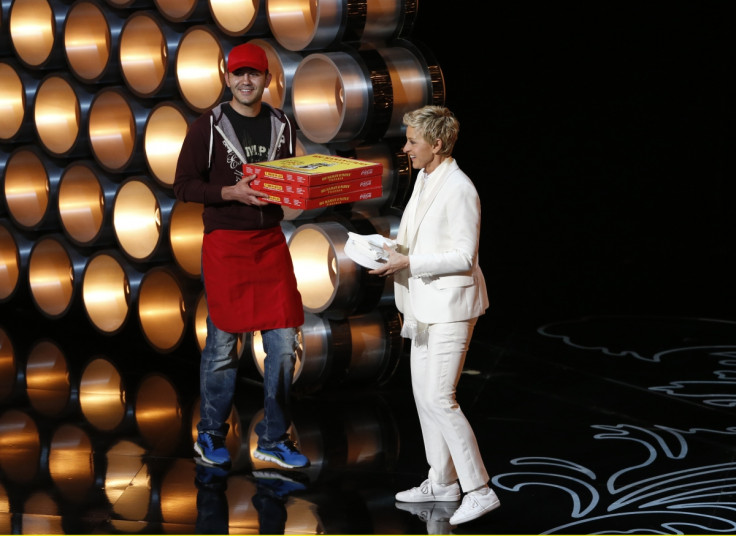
(449,442)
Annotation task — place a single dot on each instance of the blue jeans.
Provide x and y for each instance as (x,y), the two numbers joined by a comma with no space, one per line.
(218,371)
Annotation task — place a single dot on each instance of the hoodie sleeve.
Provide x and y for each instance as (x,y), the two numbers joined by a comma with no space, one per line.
(191,181)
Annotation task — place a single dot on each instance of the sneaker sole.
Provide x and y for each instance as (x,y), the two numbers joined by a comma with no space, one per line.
(475,515)
(416,496)
(268,458)
(419,500)
(208,461)
(273,475)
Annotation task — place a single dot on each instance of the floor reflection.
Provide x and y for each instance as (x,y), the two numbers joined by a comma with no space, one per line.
(607,424)
(102,441)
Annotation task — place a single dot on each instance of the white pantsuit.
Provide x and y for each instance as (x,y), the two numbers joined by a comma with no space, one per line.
(441,299)
(449,442)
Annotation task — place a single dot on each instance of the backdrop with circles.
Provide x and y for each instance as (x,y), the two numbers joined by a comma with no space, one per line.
(97,97)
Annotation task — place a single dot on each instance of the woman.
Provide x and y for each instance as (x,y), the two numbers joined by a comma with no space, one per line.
(441,292)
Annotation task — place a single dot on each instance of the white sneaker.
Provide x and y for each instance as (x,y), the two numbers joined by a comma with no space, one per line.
(433,511)
(474,505)
(428,492)
(435,514)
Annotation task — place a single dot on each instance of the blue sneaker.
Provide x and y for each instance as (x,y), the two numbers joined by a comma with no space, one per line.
(276,484)
(210,477)
(212,450)
(285,454)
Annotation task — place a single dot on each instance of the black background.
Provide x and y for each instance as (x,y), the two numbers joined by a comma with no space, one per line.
(600,137)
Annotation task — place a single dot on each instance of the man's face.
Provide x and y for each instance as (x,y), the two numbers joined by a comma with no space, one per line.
(247,85)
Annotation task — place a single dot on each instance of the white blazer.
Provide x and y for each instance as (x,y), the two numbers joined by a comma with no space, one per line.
(441,238)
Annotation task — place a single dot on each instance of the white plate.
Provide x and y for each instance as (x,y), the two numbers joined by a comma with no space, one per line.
(367,250)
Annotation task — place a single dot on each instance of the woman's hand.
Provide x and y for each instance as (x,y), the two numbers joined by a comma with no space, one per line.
(396,262)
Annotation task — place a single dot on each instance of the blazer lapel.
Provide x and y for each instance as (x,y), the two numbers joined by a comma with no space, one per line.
(443,172)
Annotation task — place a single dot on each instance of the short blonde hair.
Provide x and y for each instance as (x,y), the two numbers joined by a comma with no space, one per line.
(435,123)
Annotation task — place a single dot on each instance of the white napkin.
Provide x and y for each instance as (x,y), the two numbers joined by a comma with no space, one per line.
(367,250)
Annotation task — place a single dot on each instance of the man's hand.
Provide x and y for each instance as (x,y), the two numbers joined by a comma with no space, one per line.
(243,193)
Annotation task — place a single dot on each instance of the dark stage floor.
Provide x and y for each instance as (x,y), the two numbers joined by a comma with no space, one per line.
(593,425)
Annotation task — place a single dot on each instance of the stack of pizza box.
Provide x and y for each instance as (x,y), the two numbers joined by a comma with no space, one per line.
(316,180)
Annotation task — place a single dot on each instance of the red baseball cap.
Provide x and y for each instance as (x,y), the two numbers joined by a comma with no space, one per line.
(247,55)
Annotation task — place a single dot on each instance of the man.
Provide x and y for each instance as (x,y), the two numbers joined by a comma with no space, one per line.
(246,266)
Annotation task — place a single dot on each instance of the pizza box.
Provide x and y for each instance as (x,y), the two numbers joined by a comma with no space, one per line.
(309,203)
(300,190)
(314,169)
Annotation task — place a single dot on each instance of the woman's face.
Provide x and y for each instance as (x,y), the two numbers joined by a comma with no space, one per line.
(421,153)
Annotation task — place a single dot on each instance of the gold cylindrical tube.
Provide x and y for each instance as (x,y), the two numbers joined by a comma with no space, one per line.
(375,347)
(54,273)
(49,519)
(185,236)
(164,133)
(131,5)
(48,380)
(86,197)
(17,94)
(305,24)
(382,22)
(71,462)
(126,467)
(189,11)
(20,447)
(362,95)
(326,277)
(116,121)
(328,280)
(240,17)
(282,64)
(200,68)
(141,220)
(109,288)
(147,50)
(11,369)
(31,189)
(331,97)
(199,322)
(177,495)
(36,32)
(91,42)
(60,113)
(361,349)
(103,396)
(416,80)
(165,305)
(160,413)
(15,252)
(310,25)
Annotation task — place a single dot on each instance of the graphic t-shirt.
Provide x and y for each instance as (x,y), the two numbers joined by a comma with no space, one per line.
(254,133)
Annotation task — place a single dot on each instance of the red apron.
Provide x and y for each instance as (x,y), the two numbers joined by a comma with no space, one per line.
(249,280)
